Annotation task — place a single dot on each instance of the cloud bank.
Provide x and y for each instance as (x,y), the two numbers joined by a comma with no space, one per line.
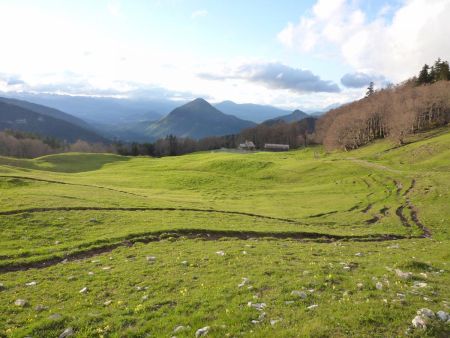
(275,75)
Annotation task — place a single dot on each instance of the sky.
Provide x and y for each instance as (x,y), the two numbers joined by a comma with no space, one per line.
(288,53)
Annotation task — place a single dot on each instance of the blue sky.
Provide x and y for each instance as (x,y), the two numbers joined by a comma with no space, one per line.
(294,54)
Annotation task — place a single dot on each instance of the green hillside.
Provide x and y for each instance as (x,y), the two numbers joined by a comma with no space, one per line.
(204,240)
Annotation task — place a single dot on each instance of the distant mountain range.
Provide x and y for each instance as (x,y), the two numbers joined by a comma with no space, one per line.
(249,111)
(142,120)
(197,119)
(27,117)
(296,115)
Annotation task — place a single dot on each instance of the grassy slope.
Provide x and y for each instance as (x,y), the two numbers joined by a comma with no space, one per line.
(322,193)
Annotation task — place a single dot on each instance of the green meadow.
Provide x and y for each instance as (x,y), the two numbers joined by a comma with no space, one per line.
(291,244)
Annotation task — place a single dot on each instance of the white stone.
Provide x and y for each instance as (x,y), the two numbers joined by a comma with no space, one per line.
(257,306)
(202,332)
(403,275)
(33,283)
(419,322)
(84,290)
(274,321)
(420,284)
(311,307)
(289,302)
(151,259)
(220,253)
(180,328)
(359,254)
(244,282)
(379,286)
(360,285)
(298,293)
(107,302)
(66,333)
(20,302)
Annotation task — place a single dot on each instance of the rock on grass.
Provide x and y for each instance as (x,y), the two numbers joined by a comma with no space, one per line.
(67,333)
(202,332)
(20,302)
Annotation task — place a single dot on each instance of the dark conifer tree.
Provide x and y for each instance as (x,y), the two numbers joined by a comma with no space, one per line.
(370,89)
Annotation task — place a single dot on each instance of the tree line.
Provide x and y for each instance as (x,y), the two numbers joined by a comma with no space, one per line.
(296,134)
(29,145)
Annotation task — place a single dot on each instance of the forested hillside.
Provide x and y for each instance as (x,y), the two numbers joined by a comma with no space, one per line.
(416,105)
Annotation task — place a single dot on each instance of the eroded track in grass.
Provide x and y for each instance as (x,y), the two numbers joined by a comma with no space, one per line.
(40,210)
(72,184)
(200,234)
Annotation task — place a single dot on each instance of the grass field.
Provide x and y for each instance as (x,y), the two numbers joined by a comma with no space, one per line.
(221,240)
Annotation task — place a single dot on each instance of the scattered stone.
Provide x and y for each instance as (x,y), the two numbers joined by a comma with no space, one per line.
(40,308)
(298,293)
(185,263)
(311,307)
(359,254)
(2,287)
(220,253)
(64,261)
(419,323)
(180,328)
(67,333)
(202,332)
(144,297)
(244,252)
(255,321)
(57,242)
(403,275)
(55,316)
(424,312)
(106,268)
(33,283)
(394,246)
(70,278)
(424,275)
(257,306)
(84,290)
(94,220)
(244,282)
(20,302)
(107,302)
(151,259)
(347,268)
(360,285)
(274,321)
(262,316)
(379,286)
(289,302)
(442,315)
(90,273)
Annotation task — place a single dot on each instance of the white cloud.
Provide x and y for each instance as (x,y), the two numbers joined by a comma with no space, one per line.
(114,8)
(199,14)
(417,33)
